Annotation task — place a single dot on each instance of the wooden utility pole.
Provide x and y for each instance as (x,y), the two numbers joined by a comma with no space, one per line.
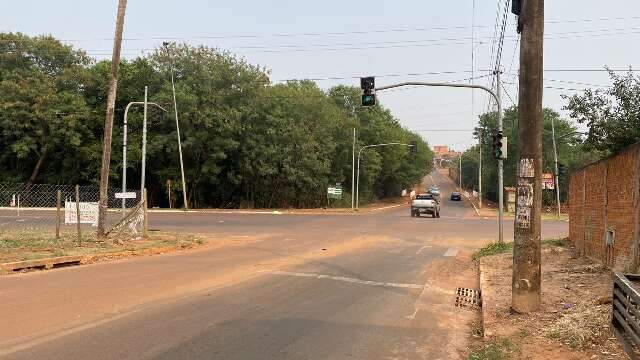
(526,250)
(108,122)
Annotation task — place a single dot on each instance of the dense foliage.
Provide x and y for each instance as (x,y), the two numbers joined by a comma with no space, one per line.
(612,114)
(570,149)
(246,141)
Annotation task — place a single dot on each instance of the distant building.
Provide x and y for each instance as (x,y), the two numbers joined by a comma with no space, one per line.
(441,150)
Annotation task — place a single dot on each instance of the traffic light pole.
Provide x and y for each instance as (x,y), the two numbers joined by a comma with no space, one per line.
(500,161)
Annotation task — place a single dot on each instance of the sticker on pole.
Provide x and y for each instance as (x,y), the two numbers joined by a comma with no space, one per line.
(126,195)
(88,213)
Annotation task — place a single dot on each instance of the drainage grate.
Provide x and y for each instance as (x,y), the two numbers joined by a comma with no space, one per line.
(468,298)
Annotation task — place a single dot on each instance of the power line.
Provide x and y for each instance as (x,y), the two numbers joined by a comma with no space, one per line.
(414,43)
(341,33)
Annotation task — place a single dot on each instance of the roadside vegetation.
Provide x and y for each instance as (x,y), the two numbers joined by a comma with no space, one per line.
(499,349)
(496,247)
(611,115)
(36,245)
(248,141)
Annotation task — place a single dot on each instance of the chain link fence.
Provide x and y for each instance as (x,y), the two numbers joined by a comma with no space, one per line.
(50,211)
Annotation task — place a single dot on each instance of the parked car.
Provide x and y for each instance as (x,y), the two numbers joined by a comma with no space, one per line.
(456,196)
(425,204)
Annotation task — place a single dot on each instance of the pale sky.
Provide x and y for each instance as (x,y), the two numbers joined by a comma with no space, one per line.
(348,39)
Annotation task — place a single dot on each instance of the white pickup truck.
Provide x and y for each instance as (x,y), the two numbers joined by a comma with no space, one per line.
(425,204)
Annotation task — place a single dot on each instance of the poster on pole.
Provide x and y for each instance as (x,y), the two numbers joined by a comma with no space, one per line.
(548,182)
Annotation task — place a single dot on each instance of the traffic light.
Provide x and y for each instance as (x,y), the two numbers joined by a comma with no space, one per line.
(499,146)
(562,170)
(368,86)
(413,147)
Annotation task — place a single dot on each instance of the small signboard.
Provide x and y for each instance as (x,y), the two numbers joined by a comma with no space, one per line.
(126,195)
(334,192)
(88,213)
(548,181)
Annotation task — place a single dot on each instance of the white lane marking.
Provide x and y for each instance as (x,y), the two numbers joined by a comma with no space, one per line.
(344,279)
(451,252)
(422,248)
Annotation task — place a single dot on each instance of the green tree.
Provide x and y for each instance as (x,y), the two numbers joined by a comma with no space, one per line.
(612,114)
(43,111)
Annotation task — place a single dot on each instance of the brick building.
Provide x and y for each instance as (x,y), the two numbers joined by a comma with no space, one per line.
(604,212)
(441,150)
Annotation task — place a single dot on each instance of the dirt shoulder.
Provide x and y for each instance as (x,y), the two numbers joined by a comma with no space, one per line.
(573,322)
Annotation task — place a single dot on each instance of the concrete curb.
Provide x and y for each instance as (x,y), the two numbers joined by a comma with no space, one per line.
(46,263)
(485,297)
(495,284)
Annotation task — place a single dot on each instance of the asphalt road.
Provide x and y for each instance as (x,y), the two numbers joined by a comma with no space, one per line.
(370,286)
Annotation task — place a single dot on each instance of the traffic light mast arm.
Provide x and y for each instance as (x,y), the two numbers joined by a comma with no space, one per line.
(500,162)
(468,86)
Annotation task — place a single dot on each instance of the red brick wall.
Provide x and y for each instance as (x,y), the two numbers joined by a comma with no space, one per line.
(604,196)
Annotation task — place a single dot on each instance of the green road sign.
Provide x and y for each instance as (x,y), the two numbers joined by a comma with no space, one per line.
(334,192)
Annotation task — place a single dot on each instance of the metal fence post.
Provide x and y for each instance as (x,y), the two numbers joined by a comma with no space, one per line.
(78,214)
(145,222)
(58,200)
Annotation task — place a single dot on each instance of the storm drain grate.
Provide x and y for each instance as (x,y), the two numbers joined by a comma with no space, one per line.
(469,299)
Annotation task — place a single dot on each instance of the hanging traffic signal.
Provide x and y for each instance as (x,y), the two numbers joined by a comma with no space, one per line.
(562,170)
(413,147)
(499,146)
(368,86)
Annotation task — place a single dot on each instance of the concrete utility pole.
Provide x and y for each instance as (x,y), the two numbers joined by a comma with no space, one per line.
(353,169)
(526,251)
(480,172)
(144,142)
(175,107)
(108,122)
(555,159)
(460,172)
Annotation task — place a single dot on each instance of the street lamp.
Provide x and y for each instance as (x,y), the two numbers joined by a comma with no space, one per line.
(175,107)
(358,176)
(124,144)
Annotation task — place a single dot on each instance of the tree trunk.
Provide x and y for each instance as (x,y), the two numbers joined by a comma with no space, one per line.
(36,169)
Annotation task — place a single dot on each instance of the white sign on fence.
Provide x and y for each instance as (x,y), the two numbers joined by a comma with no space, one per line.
(126,195)
(88,213)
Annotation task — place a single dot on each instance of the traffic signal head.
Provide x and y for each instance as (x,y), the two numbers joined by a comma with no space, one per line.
(413,147)
(561,169)
(368,86)
(499,146)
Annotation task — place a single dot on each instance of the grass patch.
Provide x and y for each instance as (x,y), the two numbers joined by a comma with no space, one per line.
(580,327)
(555,242)
(493,248)
(31,245)
(500,349)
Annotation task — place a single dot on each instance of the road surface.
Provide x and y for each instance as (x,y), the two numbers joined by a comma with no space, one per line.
(370,286)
